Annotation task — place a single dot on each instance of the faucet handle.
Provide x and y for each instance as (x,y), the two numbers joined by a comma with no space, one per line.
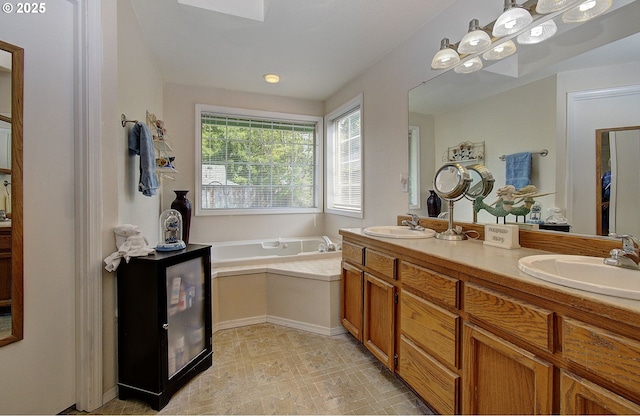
(414,218)
(629,242)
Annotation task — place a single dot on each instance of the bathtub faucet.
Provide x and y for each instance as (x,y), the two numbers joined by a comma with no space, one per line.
(328,243)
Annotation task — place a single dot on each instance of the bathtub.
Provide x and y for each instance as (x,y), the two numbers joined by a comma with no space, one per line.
(230,253)
(285,281)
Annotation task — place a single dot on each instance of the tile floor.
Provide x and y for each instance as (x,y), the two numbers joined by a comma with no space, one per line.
(270,369)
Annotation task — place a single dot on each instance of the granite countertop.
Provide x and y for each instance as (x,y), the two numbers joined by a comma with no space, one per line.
(474,254)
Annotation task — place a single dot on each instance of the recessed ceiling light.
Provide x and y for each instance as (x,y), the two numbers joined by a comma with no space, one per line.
(272,78)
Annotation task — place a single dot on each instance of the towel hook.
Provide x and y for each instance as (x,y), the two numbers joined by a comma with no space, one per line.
(124,121)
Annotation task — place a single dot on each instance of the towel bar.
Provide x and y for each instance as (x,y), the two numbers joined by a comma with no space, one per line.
(124,121)
(542,153)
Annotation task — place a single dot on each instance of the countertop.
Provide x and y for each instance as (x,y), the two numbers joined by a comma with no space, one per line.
(475,255)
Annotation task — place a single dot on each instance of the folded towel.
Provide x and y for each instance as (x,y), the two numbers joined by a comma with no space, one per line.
(135,245)
(519,169)
(141,142)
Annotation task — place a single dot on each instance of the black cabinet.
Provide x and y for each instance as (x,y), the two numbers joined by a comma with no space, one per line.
(164,323)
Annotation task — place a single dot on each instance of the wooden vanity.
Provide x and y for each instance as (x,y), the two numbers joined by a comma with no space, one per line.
(472,334)
(6,285)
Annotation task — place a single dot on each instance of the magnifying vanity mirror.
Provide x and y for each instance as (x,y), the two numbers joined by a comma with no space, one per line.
(481,185)
(11,247)
(451,183)
(523,104)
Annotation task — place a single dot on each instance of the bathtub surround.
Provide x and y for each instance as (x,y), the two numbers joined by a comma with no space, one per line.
(298,294)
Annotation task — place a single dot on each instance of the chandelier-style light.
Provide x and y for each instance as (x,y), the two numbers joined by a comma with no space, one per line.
(446,56)
(513,19)
(476,40)
(500,51)
(586,10)
(467,67)
(550,6)
(538,33)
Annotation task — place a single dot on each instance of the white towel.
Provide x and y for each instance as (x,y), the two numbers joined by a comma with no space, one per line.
(134,245)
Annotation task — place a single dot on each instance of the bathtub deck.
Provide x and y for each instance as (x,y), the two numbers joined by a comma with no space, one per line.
(320,269)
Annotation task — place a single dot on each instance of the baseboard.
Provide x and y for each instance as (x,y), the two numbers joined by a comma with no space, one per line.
(109,395)
(289,323)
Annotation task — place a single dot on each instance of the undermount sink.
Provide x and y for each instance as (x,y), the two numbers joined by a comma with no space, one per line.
(585,273)
(398,231)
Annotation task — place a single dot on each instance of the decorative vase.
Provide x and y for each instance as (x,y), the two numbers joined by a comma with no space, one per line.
(183,206)
(434,204)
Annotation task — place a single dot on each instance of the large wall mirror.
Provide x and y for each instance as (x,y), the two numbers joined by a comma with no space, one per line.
(11,243)
(522,103)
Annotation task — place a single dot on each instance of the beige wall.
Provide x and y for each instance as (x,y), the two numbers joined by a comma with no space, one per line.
(179,108)
(38,373)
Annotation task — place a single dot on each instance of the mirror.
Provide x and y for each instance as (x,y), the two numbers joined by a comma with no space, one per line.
(520,104)
(451,183)
(617,176)
(11,247)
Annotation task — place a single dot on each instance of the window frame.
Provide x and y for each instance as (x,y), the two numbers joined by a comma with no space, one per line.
(330,121)
(265,115)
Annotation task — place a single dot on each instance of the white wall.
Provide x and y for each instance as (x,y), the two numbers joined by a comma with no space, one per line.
(179,109)
(385,87)
(38,373)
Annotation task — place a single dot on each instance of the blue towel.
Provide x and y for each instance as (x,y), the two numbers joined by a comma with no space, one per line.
(141,142)
(519,169)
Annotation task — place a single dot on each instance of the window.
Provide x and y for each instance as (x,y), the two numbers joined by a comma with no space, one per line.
(344,160)
(257,162)
(414,167)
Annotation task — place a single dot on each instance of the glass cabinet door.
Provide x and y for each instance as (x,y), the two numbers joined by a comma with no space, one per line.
(185,310)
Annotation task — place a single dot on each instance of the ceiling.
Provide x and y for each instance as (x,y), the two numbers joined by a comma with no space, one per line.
(316,46)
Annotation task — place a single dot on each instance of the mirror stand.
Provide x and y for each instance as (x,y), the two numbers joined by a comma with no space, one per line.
(451,234)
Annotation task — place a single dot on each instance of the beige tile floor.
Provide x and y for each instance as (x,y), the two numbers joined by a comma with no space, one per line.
(268,369)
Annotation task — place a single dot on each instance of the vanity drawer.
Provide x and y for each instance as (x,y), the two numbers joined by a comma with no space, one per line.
(383,264)
(431,327)
(435,285)
(435,383)
(609,355)
(530,323)
(353,253)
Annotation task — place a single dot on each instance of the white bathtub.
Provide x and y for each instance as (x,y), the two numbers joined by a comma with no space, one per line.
(286,281)
(230,253)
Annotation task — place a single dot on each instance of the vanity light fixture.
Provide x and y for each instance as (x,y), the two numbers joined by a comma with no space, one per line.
(467,67)
(446,56)
(500,51)
(513,19)
(538,33)
(272,78)
(476,40)
(550,6)
(586,10)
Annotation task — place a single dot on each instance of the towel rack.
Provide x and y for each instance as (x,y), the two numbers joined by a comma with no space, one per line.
(542,153)
(124,121)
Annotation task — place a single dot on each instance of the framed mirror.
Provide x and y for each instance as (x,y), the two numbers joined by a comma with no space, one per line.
(521,104)
(11,243)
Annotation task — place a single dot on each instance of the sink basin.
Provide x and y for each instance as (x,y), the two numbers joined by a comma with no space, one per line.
(398,231)
(585,273)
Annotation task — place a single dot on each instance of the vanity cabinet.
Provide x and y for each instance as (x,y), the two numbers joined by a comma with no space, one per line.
(473,341)
(164,323)
(369,299)
(429,355)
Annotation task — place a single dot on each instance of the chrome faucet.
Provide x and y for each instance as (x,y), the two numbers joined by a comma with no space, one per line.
(329,246)
(628,256)
(414,224)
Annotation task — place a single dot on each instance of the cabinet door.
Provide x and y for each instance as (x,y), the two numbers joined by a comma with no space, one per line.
(186,315)
(351,310)
(501,378)
(379,319)
(581,397)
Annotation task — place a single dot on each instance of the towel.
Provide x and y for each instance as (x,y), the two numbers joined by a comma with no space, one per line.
(141,142)
(135,245)
(519,169)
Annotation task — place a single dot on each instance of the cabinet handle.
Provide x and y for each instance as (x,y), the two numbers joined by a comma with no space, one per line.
(165,327)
